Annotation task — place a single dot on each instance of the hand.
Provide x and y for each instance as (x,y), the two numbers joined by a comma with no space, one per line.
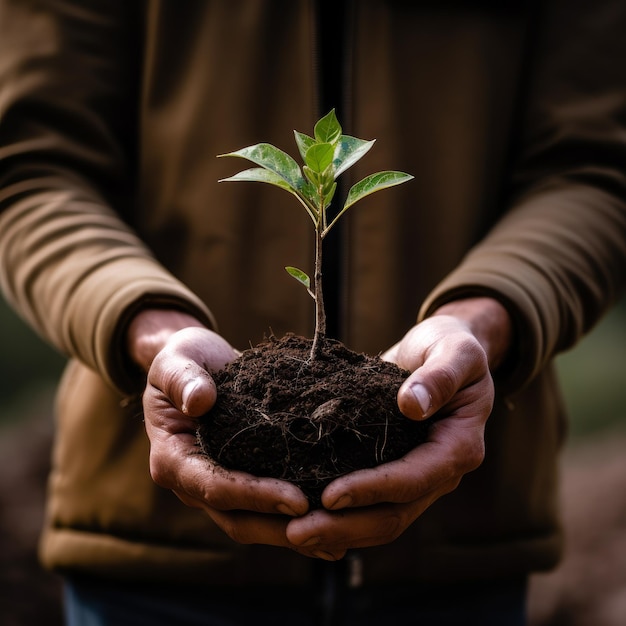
(449,356)
(179,390)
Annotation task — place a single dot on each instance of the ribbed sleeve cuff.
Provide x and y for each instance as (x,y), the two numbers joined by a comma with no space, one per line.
(106,303)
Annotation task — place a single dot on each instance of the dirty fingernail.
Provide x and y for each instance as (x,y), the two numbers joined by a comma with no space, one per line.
(311,542)
(286,510)
(342,503)
(422,397)
(188,390)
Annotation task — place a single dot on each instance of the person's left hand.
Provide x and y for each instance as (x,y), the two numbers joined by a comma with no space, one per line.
(449,356)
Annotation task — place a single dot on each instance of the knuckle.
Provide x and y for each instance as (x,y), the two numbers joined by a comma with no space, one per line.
(165,466)
(450,375)
(389,529)
(451,485)
(234,533)
(240,527)
(472,455)
(159,471)
(395,530)
(164,372)
(445,382)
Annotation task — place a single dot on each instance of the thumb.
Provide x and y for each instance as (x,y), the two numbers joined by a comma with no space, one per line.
(414,398)
(188,387)
(181,371)
(198,395)
(452,364)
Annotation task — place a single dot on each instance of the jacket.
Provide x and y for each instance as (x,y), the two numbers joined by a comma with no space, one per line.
(511,116)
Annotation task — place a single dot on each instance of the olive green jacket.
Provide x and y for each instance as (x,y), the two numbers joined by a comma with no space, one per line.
(513,121)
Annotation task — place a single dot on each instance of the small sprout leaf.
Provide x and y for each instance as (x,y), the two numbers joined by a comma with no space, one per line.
(304,142)
(328,129)
(348,151)
(311,196)
(271,158)
(299,275)
(319,156)
(328,198)
(312,176)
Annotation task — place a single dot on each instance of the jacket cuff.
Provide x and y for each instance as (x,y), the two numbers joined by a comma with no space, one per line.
(129,289)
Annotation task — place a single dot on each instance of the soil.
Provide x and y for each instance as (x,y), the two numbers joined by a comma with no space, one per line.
(280,414)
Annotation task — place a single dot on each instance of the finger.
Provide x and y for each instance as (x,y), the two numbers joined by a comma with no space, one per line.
(202,346)
(176,463)
(254,528)
(251,528)
(360,527)
(432,385)
(181,371)
(228,490)
(450,453)
(188,387)
(391,354)
(325,531)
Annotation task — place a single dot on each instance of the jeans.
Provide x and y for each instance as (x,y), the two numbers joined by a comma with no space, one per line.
(93,603)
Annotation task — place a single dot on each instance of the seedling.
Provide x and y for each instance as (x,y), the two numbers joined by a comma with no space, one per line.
(326,156)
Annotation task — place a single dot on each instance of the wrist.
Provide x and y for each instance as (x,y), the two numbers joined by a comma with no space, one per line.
(149,330)
(489,321)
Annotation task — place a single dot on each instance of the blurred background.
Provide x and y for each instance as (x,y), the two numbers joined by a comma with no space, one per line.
(588,589)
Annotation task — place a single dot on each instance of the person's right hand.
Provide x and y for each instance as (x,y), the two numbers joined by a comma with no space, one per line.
(179,390)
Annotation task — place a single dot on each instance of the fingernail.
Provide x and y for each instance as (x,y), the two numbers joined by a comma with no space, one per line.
(423,398)
(327,556)
(313,541)
(341,503)
(188,390)
(285,510)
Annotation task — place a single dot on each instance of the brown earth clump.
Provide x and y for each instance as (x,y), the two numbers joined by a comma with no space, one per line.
(280,414)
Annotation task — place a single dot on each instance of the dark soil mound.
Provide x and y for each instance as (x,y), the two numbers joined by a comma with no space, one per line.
(281,415)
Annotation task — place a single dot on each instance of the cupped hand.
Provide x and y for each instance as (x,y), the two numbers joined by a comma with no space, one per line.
(179,390)
(449,356)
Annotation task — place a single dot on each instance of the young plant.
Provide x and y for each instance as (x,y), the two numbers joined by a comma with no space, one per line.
(326,156)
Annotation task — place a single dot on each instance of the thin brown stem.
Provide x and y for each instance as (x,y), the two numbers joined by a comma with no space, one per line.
(320,312)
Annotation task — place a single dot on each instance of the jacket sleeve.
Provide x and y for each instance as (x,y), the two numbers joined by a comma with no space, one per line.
(69,263)
(557,258)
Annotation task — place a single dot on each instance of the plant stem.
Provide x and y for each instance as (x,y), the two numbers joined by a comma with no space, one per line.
(320,312)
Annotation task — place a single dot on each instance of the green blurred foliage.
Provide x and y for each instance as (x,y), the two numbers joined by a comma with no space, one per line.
(593,377)
(29,368)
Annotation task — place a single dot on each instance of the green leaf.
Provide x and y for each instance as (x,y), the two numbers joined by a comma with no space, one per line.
(373,183)
(367,186)
(311,195)
(304,142)
(260,175)
(348,151)
(307,196)
(312,176)
(328,198)
(328,129)
(299,275)
(319,156)
(271,158)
